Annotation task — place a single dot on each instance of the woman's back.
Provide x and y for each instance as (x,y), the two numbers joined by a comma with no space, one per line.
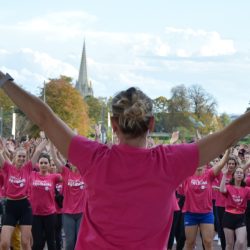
(130,192)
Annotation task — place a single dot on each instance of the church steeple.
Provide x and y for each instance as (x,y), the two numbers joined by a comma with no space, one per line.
(83,85)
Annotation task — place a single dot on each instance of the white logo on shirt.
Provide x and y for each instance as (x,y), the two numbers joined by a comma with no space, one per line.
(15,180)
(199,184)
(76,183)
(237,199)
(39,183)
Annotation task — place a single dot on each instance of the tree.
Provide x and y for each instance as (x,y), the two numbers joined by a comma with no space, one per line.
(160,108)
(203,107)
(201,101)
(94,109)
(6,110)
(224,120)
(67,103)
(179,108)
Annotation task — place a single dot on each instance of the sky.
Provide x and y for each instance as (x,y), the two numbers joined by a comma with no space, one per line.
(154,45)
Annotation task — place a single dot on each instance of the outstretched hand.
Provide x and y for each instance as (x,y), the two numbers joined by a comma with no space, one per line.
(174,137)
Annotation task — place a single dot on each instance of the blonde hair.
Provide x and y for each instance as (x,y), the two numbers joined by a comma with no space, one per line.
(132,109)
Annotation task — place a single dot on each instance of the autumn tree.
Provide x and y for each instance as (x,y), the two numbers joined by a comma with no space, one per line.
(67,103)
(6,110)
(203,107)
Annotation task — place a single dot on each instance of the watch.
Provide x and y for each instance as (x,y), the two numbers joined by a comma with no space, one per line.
(6,78)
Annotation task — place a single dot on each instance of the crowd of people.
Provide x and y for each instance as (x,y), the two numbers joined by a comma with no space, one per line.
(131,190)
(41,193)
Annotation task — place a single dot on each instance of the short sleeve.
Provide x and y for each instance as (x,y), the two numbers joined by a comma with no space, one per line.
(183,159)
(83,152)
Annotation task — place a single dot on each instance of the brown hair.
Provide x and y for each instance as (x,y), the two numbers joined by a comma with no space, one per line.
(132,110)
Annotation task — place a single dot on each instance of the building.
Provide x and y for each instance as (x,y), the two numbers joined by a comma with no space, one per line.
(83,85)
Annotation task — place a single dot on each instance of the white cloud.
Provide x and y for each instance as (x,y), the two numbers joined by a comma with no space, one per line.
(48,65)
(55,25)
(200,43)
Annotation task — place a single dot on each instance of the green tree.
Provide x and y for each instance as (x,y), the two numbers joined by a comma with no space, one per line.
(179,108)
(160,109)
(94,109)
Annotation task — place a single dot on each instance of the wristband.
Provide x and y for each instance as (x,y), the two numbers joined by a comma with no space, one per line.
(5,79)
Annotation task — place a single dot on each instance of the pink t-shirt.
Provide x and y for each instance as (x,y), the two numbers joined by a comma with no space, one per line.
(42,193)
(236,199)
(198,193)
(16,180)
(220,198)
(73,192)
(129,192)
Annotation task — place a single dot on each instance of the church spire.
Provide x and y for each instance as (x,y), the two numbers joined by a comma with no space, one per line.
(83,85)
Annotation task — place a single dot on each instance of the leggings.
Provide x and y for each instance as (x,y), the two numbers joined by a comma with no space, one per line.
(220,213)
(177,231)
(43,228)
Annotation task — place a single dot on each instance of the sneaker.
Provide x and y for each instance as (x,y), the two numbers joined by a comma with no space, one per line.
(219,243)
(216,237)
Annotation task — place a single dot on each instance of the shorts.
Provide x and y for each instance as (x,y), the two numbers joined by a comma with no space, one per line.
(192,219)
(233,221)
(17,212)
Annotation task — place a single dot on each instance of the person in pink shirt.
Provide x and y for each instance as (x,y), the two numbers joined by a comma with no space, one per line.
(73,204)
(236,194)
(129,187)
(42,198)
(73,201)
(18,209)
(232,163)
(198,207)
(59,204)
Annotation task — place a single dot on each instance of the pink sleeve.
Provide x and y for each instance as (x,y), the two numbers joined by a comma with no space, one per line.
(183,159)
(83,153)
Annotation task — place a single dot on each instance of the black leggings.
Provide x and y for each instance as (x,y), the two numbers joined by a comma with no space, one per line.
(177,231)
(220,213)
(43,228)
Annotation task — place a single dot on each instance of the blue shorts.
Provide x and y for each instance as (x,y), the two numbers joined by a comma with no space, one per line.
(192,219)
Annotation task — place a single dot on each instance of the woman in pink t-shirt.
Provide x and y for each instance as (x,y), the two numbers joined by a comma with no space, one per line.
(129,187)
(74,194)
(236,194)
(42,198)
(232,163)
(59,204)
(73,204)
(18,209)
(198,207)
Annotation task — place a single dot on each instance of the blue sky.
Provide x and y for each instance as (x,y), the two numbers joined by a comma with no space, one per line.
(154,45)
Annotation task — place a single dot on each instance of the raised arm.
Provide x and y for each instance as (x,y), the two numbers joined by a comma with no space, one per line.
(57,162)
(3,157)
(213,145)
(40,147)
(217,168)
(223,187)
(41,114)
(174,138)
